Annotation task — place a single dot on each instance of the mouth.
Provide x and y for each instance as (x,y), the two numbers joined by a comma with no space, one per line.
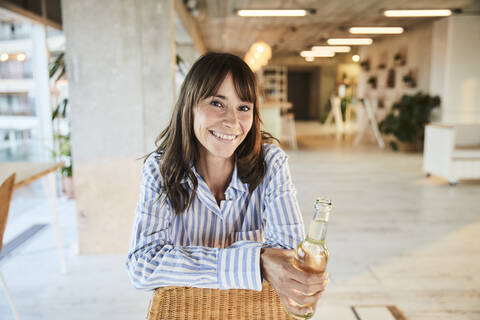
(223,136)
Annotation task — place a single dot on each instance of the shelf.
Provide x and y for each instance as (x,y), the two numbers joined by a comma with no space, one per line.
(273,80)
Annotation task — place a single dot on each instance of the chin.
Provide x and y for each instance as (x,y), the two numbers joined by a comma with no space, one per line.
(222,153)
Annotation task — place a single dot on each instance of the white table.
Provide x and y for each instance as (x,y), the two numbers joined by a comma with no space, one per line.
(270,113)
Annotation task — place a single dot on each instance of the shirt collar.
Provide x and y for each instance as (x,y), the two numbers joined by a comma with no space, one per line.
(235,182)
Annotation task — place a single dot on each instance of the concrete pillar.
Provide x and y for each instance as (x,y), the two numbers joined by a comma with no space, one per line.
(120,67)
(43,109)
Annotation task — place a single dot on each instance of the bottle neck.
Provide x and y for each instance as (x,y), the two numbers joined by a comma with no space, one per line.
(318,226)
(317,232)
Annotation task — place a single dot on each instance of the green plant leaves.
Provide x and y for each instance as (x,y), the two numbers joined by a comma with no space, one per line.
(408,117)
(56,72)
(55,65)
(63,105)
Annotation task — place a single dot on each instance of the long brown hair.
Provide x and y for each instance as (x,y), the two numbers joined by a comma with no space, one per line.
(178,145)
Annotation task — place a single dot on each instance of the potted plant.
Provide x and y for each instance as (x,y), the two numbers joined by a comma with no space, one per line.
(365,64)
(405,124)
(409,80)
(373,81)
(399,59)
(62,151)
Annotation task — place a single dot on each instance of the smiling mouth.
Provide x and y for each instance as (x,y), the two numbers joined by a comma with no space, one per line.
(223,136)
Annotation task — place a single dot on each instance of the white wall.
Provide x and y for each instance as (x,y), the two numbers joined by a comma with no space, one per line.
(444,55)
(415,45)
(439,64)
(456,68)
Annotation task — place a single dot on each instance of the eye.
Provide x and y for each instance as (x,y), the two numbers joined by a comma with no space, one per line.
(216,103)
(244,108)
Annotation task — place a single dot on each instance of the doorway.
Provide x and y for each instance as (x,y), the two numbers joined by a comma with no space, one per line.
(299,93)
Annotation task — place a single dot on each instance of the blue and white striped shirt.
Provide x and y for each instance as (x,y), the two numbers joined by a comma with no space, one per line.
(211,246)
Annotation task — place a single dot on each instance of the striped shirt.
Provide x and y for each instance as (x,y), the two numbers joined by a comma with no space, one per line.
(211,245)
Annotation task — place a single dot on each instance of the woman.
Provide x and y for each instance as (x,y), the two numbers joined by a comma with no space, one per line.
(217,207)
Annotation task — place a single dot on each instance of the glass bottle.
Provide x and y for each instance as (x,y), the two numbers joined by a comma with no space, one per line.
(311,254)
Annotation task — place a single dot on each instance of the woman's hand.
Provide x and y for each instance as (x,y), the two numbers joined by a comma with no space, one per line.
(296,289)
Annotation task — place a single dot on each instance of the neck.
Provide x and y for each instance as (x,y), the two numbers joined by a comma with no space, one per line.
(217,173)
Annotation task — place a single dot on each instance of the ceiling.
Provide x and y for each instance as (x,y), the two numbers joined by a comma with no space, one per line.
(222,30)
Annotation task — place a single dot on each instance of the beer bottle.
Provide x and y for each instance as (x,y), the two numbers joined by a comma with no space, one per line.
(311,254)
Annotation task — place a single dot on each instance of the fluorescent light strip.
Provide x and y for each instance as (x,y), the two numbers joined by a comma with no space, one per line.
(306,54)
(376,30)
(332,48)
(350,41)
(418,13)
(272,13)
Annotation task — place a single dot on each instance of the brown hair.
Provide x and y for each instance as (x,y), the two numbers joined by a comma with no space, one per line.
(177,143)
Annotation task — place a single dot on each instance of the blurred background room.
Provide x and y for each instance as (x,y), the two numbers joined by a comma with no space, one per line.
(376,102)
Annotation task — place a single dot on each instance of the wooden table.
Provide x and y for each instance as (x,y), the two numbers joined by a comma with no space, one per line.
(28,172)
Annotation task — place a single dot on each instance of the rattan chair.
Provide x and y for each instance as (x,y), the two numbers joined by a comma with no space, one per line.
(196,303)
(6,190)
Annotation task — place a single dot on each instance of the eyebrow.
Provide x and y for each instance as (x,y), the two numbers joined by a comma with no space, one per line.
(225,98)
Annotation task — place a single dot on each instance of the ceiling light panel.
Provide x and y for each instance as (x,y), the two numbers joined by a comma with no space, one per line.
(350,41)
(316,54)
(376,30)
(272,13)
(418,13)
(332,48)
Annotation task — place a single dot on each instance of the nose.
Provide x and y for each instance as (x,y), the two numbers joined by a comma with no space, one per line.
(231,119)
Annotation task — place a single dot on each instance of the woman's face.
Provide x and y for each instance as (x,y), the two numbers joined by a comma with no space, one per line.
(222,122)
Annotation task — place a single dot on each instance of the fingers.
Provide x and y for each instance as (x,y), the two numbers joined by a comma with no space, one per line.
(298,290)
(302,299)
(306,293)
(304,277)
(294,307)
(308,289)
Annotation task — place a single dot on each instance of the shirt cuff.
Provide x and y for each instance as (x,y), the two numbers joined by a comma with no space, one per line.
(238,266)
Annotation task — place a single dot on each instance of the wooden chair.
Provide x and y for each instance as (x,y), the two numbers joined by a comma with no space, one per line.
(196,303)
(6,190)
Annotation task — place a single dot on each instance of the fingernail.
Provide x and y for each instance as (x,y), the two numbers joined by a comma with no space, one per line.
(308,310)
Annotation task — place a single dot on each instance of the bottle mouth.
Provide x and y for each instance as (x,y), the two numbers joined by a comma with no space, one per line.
(323,207)
(323,201)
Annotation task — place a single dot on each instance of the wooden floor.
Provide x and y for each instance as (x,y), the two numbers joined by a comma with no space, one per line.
(395,238)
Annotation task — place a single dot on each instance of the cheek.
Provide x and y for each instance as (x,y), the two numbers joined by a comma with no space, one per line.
(206,117)
(198,123)
(247,121)
(200,118)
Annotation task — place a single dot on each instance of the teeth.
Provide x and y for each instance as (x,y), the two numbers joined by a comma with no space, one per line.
(222,136)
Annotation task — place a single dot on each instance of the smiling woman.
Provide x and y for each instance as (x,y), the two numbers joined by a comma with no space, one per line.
(217,207)
(221,123)
(213,98)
